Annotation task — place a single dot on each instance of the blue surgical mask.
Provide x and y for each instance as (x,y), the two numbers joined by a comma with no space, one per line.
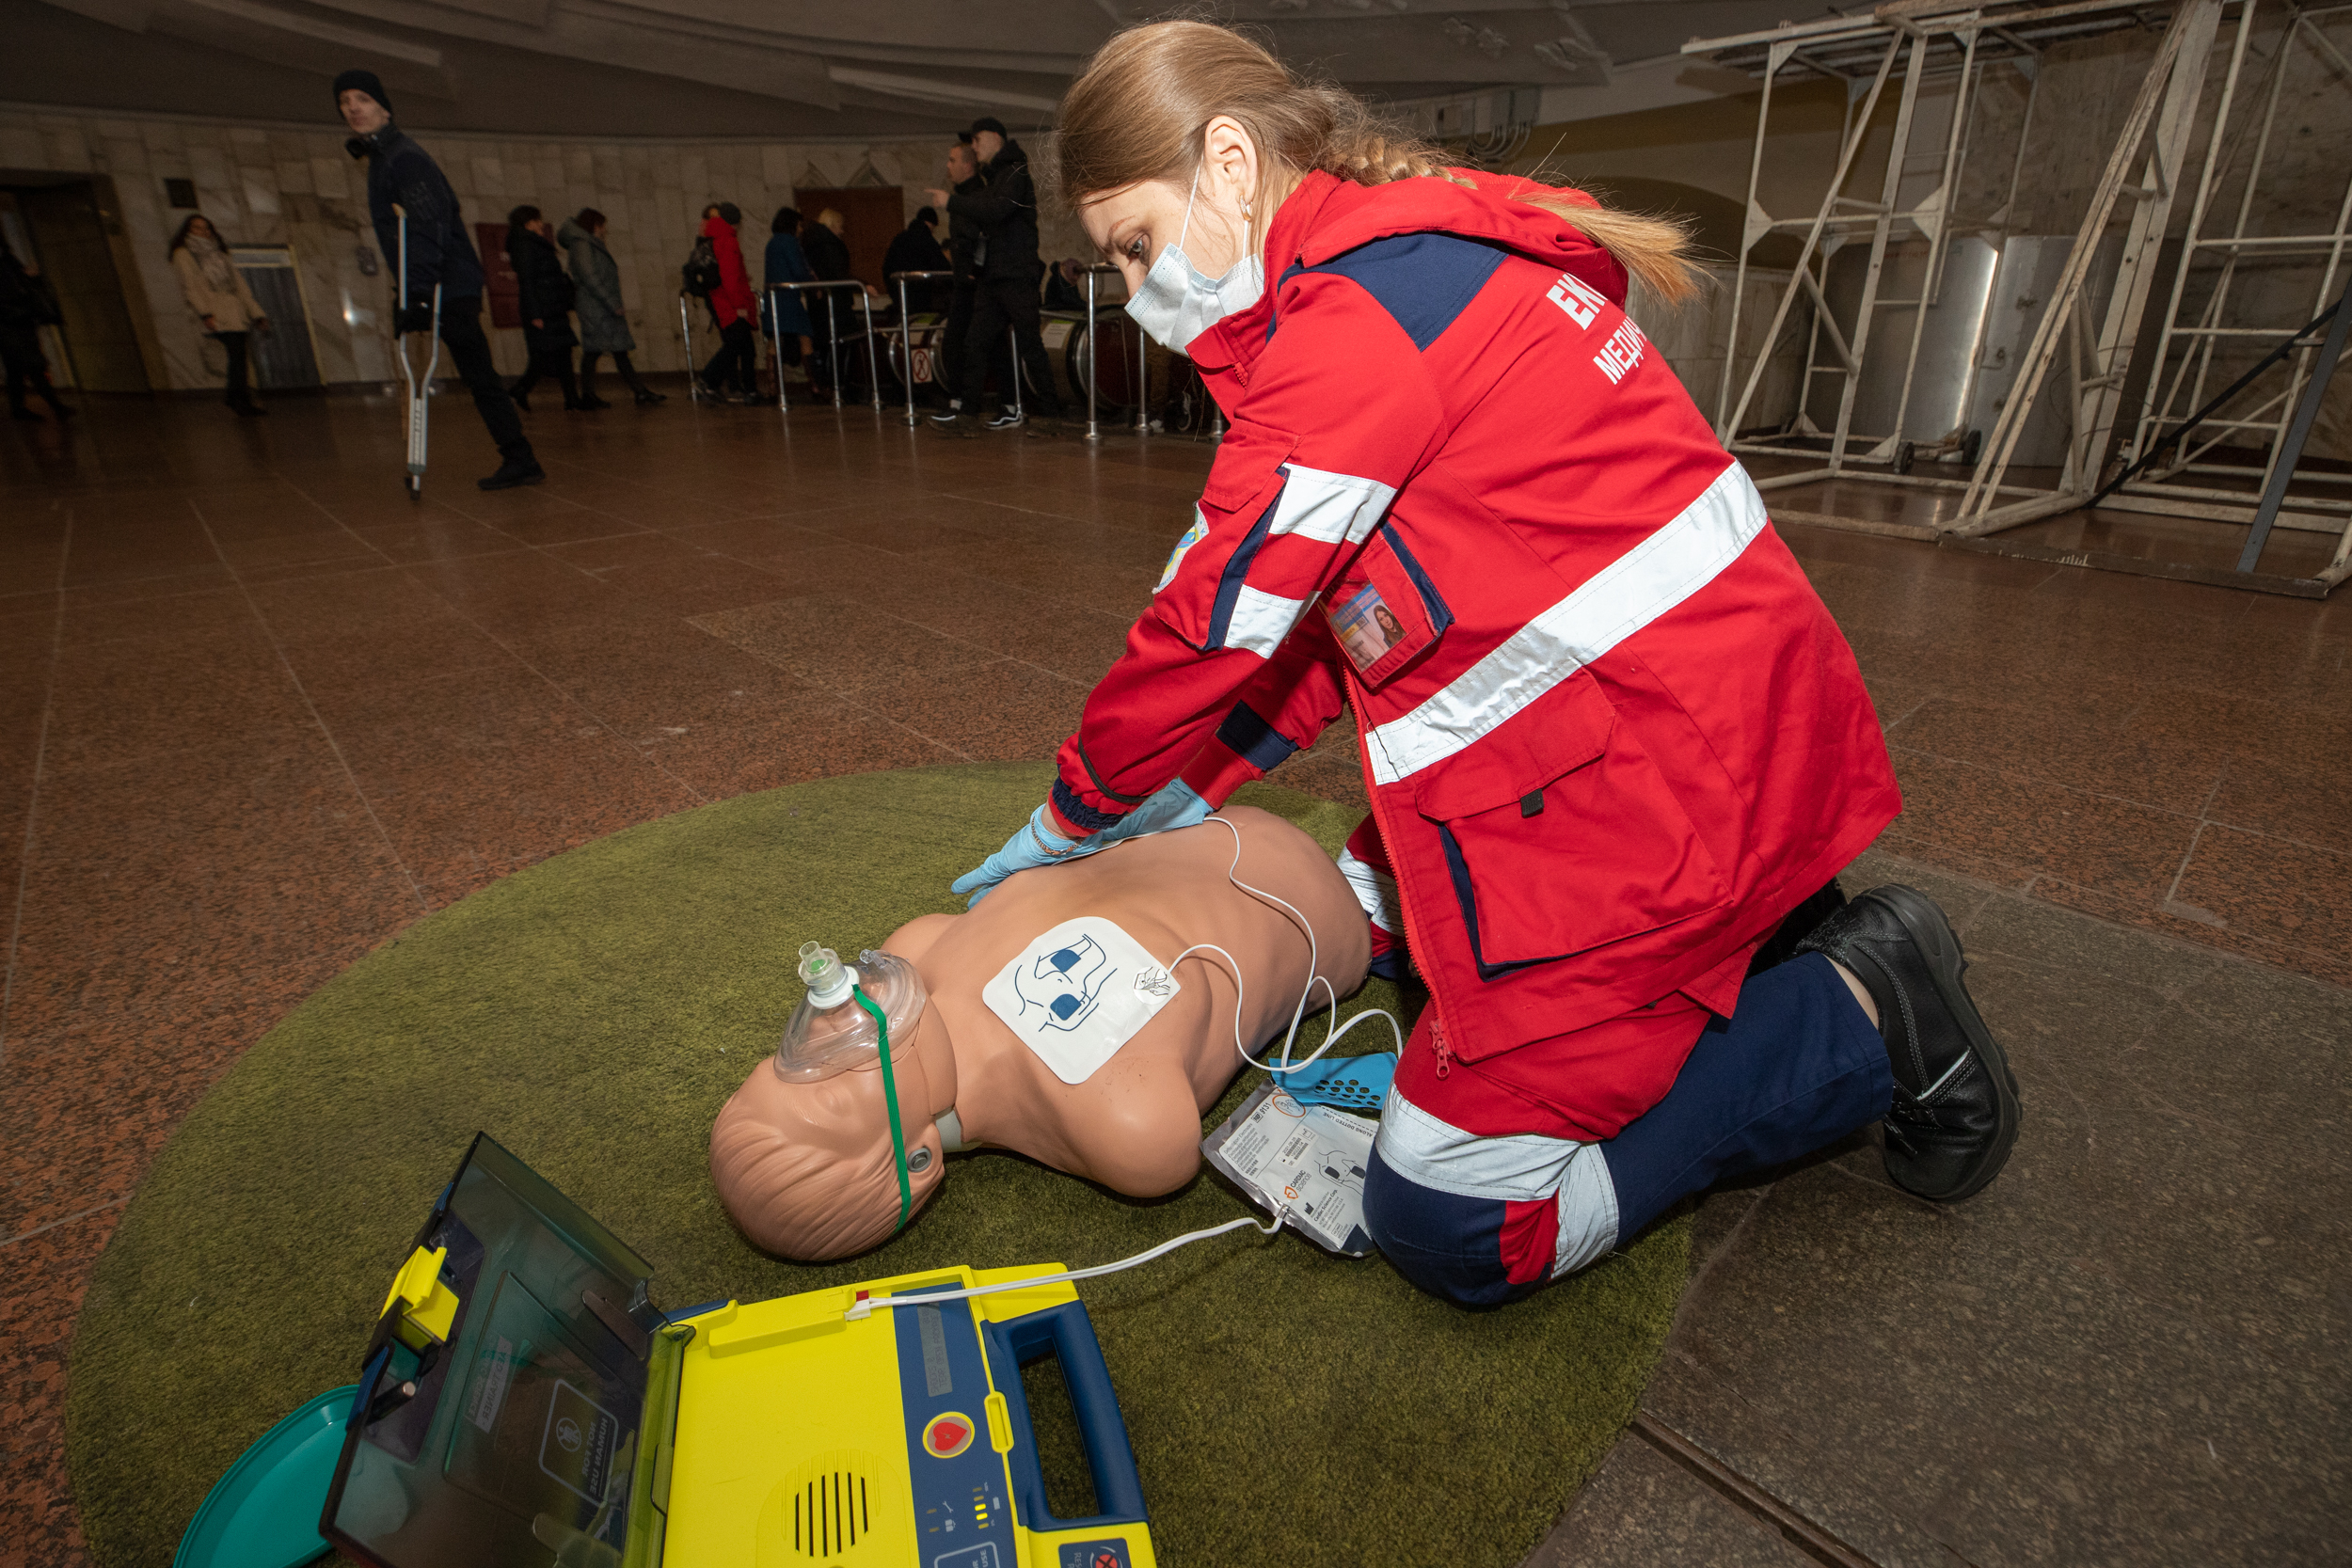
(1177,303)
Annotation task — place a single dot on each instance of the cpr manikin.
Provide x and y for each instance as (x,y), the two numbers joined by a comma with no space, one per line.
(802,1156)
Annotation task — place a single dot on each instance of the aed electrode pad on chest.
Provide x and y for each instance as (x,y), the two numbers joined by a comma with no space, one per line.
(1078,993)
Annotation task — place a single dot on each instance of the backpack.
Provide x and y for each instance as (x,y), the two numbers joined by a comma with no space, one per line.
(701,270)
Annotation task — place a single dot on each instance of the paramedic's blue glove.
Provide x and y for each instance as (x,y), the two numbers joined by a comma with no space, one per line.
(1042,842)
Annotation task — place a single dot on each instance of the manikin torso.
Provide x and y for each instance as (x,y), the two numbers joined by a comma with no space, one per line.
(1133,1125)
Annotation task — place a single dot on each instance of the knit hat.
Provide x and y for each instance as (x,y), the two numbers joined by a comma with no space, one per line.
(366,82)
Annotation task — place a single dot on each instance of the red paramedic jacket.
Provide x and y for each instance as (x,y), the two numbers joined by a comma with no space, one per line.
(1609,733)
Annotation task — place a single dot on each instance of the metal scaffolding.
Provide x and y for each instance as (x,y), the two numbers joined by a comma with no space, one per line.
(2234,456)
(1910,45)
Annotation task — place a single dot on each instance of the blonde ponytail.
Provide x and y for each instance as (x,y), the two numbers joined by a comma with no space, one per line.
(1138,110)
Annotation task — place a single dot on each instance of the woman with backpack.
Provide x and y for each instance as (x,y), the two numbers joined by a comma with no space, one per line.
(603,320)
(731,304)
(544,298)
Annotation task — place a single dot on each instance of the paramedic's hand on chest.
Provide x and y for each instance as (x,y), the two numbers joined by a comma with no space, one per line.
(806,1169)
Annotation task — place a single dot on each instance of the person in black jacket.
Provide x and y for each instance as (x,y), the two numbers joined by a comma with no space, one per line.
(916,249)
(544,298)
(25,307)
(401,172)
(1009,268)
(963,241)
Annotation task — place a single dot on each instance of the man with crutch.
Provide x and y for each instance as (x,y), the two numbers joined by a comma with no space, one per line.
(431,250)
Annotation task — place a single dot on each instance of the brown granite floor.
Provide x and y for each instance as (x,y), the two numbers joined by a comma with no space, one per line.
(263,710)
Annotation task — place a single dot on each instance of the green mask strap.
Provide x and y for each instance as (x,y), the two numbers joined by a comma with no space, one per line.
(890,1093)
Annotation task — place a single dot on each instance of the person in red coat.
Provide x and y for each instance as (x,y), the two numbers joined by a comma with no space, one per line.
(1612,737)
(731,307)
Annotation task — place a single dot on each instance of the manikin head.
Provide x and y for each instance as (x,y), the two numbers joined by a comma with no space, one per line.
(807,1170)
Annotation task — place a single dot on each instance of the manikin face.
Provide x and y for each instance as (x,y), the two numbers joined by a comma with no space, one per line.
(987,143)
(364,115)
(1131,225)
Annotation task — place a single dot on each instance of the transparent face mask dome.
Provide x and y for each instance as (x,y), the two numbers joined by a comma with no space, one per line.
(830,1033)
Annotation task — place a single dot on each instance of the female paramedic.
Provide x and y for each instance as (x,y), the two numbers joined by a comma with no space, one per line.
(1612,737)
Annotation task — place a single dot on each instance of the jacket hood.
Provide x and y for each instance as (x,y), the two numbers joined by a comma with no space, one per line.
(570,232)
(1327,216)
(714,226)
(1008,156)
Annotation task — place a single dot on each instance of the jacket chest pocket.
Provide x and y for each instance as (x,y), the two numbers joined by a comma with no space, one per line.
(1561,834)
(1384,610)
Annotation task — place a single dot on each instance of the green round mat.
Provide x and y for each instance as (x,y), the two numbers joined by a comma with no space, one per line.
(595,1011)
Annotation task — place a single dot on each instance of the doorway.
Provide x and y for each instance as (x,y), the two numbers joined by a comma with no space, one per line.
(874,216)
(60,219)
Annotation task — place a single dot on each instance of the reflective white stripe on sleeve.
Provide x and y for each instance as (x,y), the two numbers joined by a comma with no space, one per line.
(1332,508)
(1523,1168)
(1376,890)
(1260,620)
(1681,558)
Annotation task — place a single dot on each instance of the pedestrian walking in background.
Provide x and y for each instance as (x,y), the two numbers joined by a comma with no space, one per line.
(731,308)
(596,299)
(916,249)
(26,306)
(785,262)
(543,299)
(1007,259)
(401,173)
(964,243)
(223,303)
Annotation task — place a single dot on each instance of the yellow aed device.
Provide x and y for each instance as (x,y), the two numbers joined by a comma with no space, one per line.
(523,1403)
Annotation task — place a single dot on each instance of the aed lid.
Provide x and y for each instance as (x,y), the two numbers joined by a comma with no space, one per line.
(510,1434)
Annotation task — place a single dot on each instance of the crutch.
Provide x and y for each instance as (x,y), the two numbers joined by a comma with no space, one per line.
(419,389)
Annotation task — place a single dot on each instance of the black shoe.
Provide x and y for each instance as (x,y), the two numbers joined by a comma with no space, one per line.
(582,405)
(523,400)
(1956,1110)
(949,414)
(514,471)
(62,412)
(1007,418)
(21,412)
(249,409)
(647,397)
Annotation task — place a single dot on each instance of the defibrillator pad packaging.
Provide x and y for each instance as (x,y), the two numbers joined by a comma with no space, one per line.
(1079,992)
(1304,1163)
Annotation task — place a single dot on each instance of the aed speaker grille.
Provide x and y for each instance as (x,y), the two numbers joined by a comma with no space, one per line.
(844,1508)
(830,1513)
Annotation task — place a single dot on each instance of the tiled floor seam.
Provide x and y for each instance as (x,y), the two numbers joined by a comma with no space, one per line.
(278,647)
(32,795)
(462,613)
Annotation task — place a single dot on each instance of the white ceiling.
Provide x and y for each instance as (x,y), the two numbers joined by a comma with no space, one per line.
(801,68)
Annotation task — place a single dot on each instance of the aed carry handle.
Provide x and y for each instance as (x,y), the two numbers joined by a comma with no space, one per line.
(1066,1333)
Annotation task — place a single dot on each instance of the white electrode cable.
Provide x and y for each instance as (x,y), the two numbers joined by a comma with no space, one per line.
(864,1306)
(1315,956)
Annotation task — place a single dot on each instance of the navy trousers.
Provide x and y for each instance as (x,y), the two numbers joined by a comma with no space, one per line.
(1796,1067)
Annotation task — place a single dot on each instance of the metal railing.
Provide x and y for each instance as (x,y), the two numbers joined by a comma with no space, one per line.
(906,331)
(833,338)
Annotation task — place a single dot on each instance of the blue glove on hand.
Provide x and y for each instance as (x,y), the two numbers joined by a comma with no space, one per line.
(1040,842)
